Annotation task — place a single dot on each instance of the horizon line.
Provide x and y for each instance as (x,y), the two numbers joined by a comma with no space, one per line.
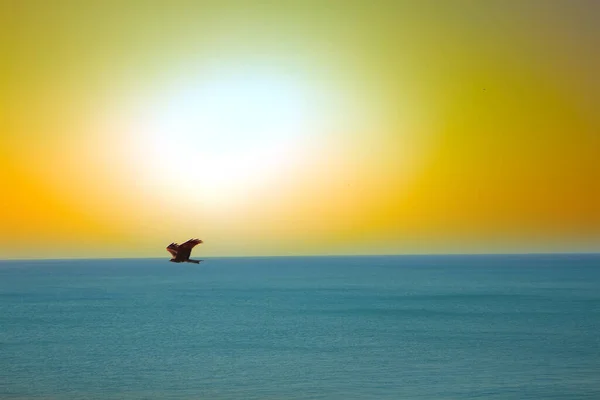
(322,255)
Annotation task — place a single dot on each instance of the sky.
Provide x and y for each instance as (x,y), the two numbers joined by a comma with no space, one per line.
(299,127)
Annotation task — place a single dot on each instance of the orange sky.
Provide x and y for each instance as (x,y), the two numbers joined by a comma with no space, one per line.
(272,129)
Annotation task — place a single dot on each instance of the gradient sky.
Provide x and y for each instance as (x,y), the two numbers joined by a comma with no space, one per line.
(304,127)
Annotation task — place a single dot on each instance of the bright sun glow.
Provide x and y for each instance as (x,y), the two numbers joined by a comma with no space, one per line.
(224,136)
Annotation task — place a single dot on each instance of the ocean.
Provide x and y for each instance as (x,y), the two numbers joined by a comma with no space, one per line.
(381,327)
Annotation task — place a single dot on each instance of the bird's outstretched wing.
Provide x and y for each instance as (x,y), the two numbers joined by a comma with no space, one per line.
(189,244)
(173,248)
(185,249)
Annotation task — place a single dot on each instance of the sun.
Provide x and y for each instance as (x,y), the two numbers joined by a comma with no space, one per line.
(221,137)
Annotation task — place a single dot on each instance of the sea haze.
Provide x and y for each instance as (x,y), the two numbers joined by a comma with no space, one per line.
(401,327)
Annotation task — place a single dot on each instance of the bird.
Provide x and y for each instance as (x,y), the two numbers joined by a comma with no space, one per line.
(181,252)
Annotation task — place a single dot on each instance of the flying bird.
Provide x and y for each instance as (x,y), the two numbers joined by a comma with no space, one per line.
(181,252)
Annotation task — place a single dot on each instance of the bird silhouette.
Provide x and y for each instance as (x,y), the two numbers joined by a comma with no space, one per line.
(181,252)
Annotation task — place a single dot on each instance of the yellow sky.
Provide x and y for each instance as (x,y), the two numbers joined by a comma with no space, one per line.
(305,127)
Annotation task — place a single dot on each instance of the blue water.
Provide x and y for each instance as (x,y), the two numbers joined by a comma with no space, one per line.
(408,327)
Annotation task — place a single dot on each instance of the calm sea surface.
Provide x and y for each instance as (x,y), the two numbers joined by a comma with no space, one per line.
(408,327)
